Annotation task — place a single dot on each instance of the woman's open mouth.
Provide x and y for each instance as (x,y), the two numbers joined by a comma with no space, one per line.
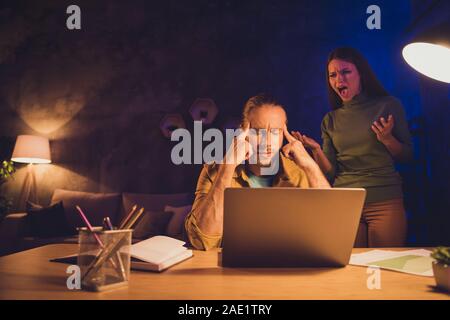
(343,91)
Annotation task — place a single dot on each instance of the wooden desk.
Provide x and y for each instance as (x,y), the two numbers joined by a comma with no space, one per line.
(30,275)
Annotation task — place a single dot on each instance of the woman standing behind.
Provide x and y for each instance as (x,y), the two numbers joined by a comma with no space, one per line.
(363,135)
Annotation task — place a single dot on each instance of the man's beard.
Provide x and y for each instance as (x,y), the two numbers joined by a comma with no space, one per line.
(265,161)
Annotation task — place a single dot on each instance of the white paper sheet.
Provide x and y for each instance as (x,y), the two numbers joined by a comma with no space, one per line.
(416,261)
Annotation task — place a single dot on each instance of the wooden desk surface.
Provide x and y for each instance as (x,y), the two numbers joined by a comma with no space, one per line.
(30,275)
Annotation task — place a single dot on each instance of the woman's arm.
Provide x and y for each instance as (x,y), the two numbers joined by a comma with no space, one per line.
(318,155)
(325,157)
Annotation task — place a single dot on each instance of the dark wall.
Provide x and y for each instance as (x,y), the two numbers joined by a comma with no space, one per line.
(99,93)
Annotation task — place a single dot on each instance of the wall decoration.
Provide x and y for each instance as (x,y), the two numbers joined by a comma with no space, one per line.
(170,123)
(204,109)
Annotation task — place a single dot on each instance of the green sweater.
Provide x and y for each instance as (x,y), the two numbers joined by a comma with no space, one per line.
(359,160)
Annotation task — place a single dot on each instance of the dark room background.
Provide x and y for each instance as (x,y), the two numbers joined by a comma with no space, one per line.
(99,93)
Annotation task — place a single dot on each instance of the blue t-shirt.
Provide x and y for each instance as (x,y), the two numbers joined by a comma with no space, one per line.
(259,181)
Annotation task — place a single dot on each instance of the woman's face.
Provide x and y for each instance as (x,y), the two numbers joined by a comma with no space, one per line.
(344,79)
(266,124)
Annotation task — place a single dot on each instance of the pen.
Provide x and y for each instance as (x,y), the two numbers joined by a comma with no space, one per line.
(89,226)
(132,220)
(107,223)
(125,220)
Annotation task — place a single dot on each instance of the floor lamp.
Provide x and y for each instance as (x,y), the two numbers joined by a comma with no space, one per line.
(32,150)
(429,52)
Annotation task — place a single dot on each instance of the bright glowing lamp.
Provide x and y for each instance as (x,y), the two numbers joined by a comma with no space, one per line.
(31,149)
(429,53)
(432,60)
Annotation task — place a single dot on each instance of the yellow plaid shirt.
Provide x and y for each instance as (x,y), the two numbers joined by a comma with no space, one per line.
(289,175)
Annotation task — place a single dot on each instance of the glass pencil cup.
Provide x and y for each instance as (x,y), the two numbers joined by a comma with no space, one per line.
(104,258)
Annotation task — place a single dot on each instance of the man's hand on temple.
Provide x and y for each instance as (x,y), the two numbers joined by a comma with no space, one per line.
(240,149)
(295,150)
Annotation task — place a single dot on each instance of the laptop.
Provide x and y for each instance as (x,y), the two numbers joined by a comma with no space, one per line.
(290,227)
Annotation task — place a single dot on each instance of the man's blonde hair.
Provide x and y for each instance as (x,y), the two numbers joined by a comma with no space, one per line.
(258,101)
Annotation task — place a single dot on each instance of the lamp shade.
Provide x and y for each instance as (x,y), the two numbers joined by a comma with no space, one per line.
(429,53)
(31,149)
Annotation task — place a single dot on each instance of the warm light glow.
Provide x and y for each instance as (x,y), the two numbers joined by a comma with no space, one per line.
(429,59)
(31,149)
(48,118)
(30,160)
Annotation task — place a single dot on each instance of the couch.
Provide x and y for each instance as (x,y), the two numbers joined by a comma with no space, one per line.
(16,232)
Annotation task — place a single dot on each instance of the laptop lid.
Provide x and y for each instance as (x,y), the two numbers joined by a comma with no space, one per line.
(290,227)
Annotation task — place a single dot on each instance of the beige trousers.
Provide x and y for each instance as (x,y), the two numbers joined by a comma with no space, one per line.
(382,224)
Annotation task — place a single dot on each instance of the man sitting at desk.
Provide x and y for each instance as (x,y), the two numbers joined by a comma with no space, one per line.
(204,224)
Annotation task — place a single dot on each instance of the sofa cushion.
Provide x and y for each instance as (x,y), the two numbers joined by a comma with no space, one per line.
(47,222)
(158,202)
(175,227)
(154,202)
(95,206)
(152,223)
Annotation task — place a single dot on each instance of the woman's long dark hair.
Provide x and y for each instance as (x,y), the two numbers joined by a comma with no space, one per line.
(369,82)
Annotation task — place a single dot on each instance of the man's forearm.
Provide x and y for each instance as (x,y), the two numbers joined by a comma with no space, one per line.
(209,216)
(315,175)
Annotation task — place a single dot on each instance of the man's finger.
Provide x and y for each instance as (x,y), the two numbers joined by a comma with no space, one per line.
(301,144)
(287,135)
(286,150)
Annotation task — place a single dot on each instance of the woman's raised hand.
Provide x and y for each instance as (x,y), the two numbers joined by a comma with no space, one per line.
(308,142)
(383,128)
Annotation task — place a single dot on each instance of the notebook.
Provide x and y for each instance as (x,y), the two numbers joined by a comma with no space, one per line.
(154,254)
